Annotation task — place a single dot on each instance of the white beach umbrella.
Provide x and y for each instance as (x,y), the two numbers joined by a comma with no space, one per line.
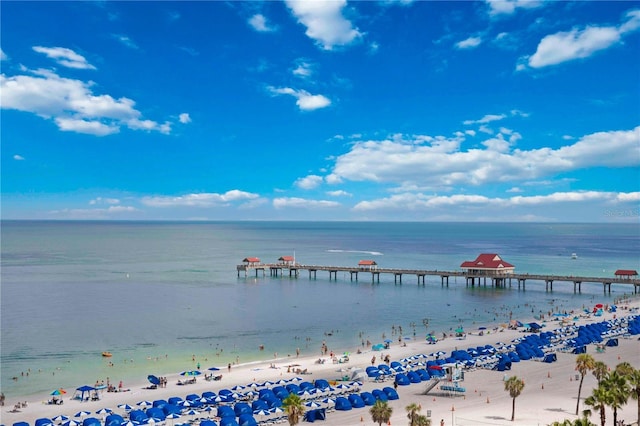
(312,404)
(81,414)
(104,411)
(144,404)
(60,418)
(125,407)
(70,423)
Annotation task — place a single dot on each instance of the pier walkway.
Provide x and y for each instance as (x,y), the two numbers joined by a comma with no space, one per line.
(471,279)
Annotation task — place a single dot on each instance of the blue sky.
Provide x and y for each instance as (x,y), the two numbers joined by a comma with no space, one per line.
(321,110)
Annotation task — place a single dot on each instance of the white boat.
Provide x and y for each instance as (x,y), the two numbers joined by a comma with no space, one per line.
(574,256)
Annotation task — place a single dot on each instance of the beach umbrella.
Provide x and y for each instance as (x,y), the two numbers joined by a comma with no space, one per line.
(144,404)
(238,387)
(459,330)
(153,379)
(70,423)
(58,391)
(81,414)
(213,369)
(125,407)
(190,373)
(60,418)
(128,423)
(312,404)
(329,401)
(262,412)
(103,411)
(277,410)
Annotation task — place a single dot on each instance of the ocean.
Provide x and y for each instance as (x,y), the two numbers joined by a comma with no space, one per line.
(165,296)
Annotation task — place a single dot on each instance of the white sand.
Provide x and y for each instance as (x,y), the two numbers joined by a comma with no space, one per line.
(550,389)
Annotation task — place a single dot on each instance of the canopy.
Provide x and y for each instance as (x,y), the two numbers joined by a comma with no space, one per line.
(84,389)
(153,379)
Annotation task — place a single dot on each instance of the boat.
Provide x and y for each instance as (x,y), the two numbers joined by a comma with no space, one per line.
(107,354)
(574,256)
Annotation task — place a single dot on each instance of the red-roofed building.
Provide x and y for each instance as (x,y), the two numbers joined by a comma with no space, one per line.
(287,260)
(488,264)
(251,260)
(626,273)
(367,264)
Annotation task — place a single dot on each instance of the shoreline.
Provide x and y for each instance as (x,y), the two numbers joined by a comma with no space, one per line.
(260,370)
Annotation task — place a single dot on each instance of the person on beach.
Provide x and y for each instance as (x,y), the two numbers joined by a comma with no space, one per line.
(229,367)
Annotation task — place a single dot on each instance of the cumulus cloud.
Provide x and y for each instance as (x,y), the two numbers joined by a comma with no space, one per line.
(486,119)
(440,163)
(18,157)
(305,100)
(259,23)
(309,182)
(469,43)
(185,118)
(325,22)
(72,104)
(101,200)
(99,213)
(509,7)
(65,57)
(580,43)
(203,199)
(302,203)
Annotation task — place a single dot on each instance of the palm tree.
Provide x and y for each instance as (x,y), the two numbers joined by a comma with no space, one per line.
(600,369)
(413,409)
(584,421)
(584,363)
(423,421)
(599,400)
(294,407)
(633,378)
(381,412)
(514,386)
(618,391)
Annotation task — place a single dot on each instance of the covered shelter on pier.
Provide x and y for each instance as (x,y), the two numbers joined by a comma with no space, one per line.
(252,261)
(487,265)
(287,260)
(368,264)
(626,273)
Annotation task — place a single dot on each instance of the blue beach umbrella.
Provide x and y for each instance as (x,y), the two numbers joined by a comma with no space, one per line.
(190,373)
(153,379)
(81,414)
(60,418)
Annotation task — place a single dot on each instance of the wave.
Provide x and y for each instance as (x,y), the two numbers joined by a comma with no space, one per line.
(372,253)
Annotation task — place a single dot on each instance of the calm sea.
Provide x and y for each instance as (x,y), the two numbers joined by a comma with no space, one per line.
(158,294)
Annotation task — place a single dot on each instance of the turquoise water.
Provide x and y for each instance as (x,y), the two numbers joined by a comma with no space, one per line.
(157,295)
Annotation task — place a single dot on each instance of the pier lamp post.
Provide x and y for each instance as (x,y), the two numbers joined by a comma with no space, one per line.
(453,410)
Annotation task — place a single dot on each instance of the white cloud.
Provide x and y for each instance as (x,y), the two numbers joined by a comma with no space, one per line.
(86,214)
(303,69)
(444,165)
(305,100)
(469,43)
(3,56)
(339,193)
(259,23)
(486,119)
(65,57)
(100,200)
(302,203)
(325,22)
(185,118)
(508,7)
(126,40)
(203,199)
(18,157)
(309,182)
(577,44)
(72,104)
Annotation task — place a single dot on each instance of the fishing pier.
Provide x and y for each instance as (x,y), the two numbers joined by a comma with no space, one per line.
(473,273)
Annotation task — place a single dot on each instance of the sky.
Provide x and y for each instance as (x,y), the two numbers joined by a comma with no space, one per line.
(513,111)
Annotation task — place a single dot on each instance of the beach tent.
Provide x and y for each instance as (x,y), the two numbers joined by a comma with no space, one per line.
(313,415)
(155,413)
(226,411)
(549,358)
(356,401)
(343,404)
(380,395)
(208,423)
(357,374)
(321,384)
(81,391)
(368,398)
(259,404)
(91,421)
(612,342)
(378,347)
(402,380)
(242,408)
(247,420)
(580,350)
(137,416)
(229,421)
(44,422)
(21,424)
(391,393)
(113,420)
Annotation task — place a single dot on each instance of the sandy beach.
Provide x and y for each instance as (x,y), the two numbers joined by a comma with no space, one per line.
(549,395)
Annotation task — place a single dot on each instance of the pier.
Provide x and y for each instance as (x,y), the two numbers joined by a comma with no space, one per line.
(498,279)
